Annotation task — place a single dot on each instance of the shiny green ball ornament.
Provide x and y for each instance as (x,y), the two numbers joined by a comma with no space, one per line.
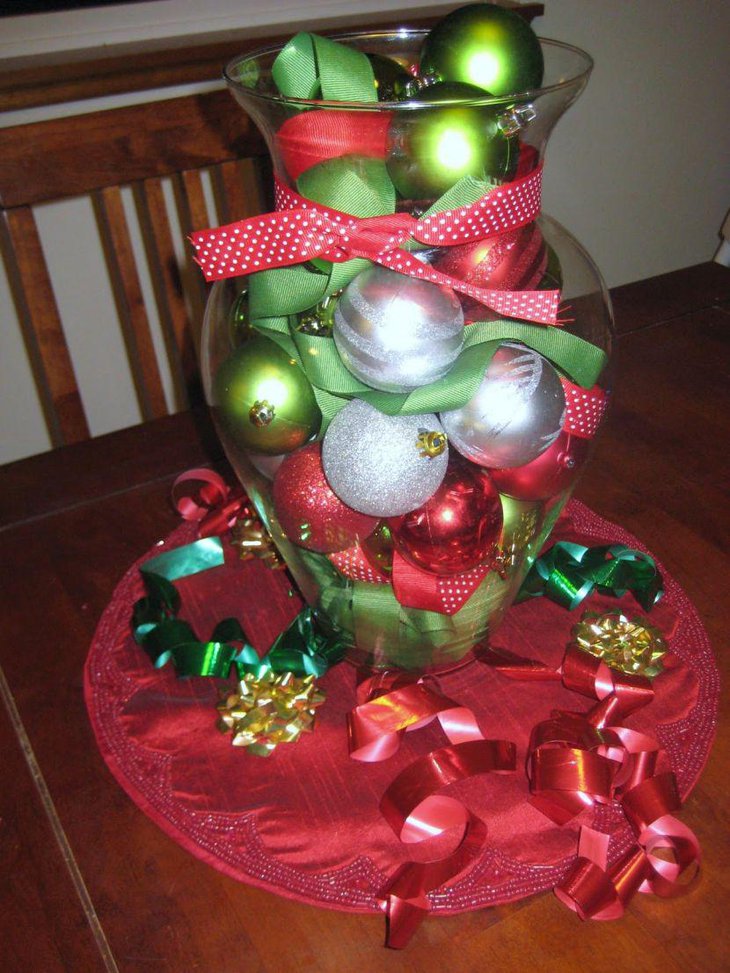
(487,46)
(239,321)
(391,78)
(264,400)
(429,150)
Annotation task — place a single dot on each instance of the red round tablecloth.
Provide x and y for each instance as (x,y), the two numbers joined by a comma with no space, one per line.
(305,822)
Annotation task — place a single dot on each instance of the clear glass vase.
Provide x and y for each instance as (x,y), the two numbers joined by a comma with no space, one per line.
(327,151)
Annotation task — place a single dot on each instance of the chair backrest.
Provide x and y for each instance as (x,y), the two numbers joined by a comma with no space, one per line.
(96,155)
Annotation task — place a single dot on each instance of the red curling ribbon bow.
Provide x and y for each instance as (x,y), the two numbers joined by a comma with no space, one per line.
(301,230)
(391,705)
(577,760)
(214,506)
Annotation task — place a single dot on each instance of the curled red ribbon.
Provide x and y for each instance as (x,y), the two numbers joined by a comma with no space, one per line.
(413,805)
(577,760)
(301,230)
(211,502)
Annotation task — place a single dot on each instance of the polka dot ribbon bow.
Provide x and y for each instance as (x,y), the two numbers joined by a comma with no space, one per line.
(301,230)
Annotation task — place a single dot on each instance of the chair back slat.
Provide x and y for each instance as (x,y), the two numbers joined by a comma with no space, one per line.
(161,151)
(121,146)
(42,328)
(130,302)
(171,304)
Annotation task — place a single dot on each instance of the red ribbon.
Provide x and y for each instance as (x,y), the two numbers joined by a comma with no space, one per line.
(214,506)
(577,760)
(302,230)
(312,137)
(391,705)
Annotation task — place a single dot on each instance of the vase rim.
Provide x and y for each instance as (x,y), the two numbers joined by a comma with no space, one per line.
(584,66)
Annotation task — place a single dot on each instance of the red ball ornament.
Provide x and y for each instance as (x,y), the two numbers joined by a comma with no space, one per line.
(310,514)
(455,530)
(550,473)
(515,260)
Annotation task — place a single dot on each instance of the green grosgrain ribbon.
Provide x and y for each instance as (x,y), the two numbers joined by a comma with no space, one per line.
(310,66)
(568,573)
(300,649)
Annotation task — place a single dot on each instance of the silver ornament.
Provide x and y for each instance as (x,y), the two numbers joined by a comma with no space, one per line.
(515,414)
(382,465)
(396,333)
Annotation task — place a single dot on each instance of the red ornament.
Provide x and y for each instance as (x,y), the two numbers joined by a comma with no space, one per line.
(455,530)
(310,514)
(513,261)
(550,473)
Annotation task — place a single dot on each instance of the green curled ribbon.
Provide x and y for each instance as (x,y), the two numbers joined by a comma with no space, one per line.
(569,572)
(301,649)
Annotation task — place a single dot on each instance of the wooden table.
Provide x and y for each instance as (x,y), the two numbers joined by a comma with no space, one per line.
(89,883)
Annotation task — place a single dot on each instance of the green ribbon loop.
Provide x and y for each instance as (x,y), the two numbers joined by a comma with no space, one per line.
(301,649)
(569,572)
(310,66)
(183,561)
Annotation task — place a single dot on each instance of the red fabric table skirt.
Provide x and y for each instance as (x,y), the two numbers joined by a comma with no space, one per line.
(305,822)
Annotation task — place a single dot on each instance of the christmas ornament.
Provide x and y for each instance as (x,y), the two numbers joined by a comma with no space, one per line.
(550,473)
(373,461)
(484,45)
(392,80)
(264,399)
(515,414)
(310,514)
(428,150)
(239,320)
(457,528)
(514,260)
(378,549)
(395,332)
(318,320)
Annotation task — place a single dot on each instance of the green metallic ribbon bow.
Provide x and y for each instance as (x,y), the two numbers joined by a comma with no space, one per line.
(301,649)
(568,573)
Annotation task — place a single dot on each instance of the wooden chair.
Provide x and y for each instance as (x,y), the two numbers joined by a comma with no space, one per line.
(95,155)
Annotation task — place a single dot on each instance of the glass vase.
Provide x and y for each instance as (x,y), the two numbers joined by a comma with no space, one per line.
(332,153)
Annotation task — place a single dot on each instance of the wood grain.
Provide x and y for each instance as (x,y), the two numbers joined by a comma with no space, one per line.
(660,469)
(43,330)
(121,145)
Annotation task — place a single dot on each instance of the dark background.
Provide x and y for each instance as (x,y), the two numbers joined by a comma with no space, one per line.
(10,8)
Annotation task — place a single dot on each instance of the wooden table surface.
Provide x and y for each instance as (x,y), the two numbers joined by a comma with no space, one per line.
(90,883)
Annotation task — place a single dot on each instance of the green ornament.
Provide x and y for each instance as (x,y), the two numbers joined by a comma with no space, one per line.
(487,46)
(429,150)
(318,321)
(264,399)
(239,320)
(391,78)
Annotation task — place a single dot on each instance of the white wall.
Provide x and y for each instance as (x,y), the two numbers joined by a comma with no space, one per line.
(638,168)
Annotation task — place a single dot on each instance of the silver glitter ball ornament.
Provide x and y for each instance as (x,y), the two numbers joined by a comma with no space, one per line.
(396,333)
(515,414)
(379,464)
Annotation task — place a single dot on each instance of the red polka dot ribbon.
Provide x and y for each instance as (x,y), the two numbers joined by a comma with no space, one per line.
(584,409)
(301,230)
